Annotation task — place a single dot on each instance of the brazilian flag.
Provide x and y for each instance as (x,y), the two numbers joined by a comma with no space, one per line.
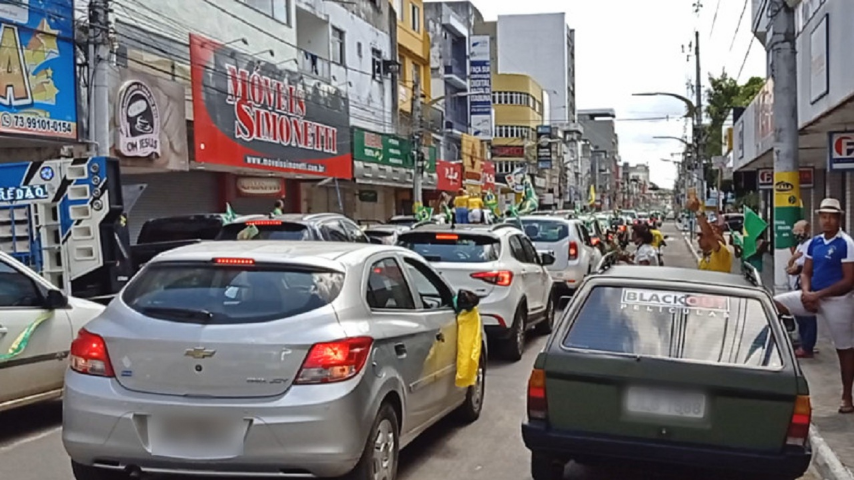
(753,228)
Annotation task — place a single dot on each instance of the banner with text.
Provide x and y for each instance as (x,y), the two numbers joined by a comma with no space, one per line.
(480,88)
(450,176)
(253,114)
(381,148)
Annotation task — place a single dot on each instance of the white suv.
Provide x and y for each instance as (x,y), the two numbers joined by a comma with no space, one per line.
(501,265)
(570,244)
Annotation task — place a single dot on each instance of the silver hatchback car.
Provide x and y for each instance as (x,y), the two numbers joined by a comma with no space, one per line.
(266,358)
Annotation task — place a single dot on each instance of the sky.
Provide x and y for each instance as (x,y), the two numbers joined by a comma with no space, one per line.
(627,46)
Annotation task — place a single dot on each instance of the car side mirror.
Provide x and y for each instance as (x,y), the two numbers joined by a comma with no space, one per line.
(55,300)
(465,301)
(548,258)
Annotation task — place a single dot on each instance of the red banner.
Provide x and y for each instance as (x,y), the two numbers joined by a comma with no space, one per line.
(488,176)
(450,176)
(253,115)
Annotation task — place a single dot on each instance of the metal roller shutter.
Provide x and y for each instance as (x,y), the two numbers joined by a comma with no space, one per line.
(173,193)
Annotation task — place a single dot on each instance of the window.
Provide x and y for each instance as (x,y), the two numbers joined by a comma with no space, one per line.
(399,8)
(433,291)
(222,295)
(387,288)
(530,251)
(338,46)
(545,230)
(415,17)
(377,64)
(332,231)
(354,233)
(452,247)
(274,231)
(679,325)
(278,9)
(16,289)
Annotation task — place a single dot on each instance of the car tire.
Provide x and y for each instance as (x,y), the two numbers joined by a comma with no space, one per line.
(545,327)
(544,467)
(86,472)
(512,348)
(387,426)
(470,410)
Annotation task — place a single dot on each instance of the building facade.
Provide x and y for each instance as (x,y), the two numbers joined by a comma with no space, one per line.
(601,136)
(413,50)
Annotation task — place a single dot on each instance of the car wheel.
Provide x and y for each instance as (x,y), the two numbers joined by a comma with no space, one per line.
(379,459)
(545,327)
(514,347)
(85,472)
(470,410)
(544,467)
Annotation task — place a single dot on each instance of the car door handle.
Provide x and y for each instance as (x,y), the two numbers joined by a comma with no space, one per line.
(400,350)
(440,337)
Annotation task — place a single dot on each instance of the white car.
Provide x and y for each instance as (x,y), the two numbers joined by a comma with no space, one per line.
(501,265)
(37,324)
(570,244)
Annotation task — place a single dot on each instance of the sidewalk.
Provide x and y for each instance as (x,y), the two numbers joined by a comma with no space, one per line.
(832,434)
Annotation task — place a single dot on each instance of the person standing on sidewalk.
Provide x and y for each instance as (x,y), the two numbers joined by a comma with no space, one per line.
(716,255)
(807,325)
(826,281)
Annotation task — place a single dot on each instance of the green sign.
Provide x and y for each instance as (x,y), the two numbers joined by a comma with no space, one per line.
(368,196)
(381,148)
(429,159)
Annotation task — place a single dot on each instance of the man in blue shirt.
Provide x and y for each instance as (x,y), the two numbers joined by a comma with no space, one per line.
(826,282)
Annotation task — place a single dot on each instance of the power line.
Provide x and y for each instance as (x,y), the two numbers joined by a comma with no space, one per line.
(738,27)
(715,19)
(744,62)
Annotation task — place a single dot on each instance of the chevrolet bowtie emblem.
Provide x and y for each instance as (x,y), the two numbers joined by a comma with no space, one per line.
(199,353)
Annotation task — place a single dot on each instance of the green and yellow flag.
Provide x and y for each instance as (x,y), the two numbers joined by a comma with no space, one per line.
(753,228)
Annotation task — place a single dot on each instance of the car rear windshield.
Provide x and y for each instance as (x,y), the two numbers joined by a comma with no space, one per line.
(452,247)
(264,231)
(214,294)
(675,324)
(545,230)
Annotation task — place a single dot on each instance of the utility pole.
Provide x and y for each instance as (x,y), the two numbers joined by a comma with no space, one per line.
(698,122)
(418,155)
(787,189)
(99,61)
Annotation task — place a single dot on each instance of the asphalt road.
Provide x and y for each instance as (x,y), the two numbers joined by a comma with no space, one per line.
(490,449)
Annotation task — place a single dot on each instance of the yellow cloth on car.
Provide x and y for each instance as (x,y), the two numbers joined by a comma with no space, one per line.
(469,344)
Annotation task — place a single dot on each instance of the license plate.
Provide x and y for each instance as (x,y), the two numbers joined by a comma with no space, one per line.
(195,438)
(665,403)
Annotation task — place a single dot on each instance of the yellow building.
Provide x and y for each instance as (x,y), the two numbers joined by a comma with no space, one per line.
(518,103)
(413,44)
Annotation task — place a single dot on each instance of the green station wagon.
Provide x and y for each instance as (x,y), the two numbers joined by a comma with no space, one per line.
(669,366)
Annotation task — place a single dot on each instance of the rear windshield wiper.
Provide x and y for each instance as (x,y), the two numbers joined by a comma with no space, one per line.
(178,313)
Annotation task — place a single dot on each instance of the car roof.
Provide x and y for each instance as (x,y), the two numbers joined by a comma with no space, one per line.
(327,254)
(289,217)
(677,275)
(477,228)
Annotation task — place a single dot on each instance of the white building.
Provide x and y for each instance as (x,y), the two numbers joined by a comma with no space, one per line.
(542,46)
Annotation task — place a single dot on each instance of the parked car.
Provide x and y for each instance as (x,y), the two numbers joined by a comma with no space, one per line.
(501,265)
(32,365)
(298,359)
(165,233)
(671,366)
(329,227)
(572,247)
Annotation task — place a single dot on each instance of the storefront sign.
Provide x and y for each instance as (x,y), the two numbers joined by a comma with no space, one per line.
(23,193)
(381,148)
(544,147)
(148,121)
(488,176)
(450,176)
(765,177)
(260,186)
(38,87)
(368,196)
(511,151)
(472,160)
(840,151)
(819,72)
(252,114)
(480,88)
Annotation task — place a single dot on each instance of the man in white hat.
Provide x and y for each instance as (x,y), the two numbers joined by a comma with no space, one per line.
(827,278)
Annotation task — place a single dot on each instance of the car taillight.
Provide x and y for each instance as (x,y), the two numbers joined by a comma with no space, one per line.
(263,222)
(573,251)
(594,241)
(502,278)
(537,405)
(799,426)
(89,355)
(334,361)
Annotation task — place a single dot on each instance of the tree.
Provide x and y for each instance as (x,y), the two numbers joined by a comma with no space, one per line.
(723,94)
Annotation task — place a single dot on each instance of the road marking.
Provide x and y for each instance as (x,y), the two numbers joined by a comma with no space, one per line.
(29,439)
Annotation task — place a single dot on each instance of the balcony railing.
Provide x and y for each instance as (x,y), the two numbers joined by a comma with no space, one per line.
(456,67)
(312,64)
